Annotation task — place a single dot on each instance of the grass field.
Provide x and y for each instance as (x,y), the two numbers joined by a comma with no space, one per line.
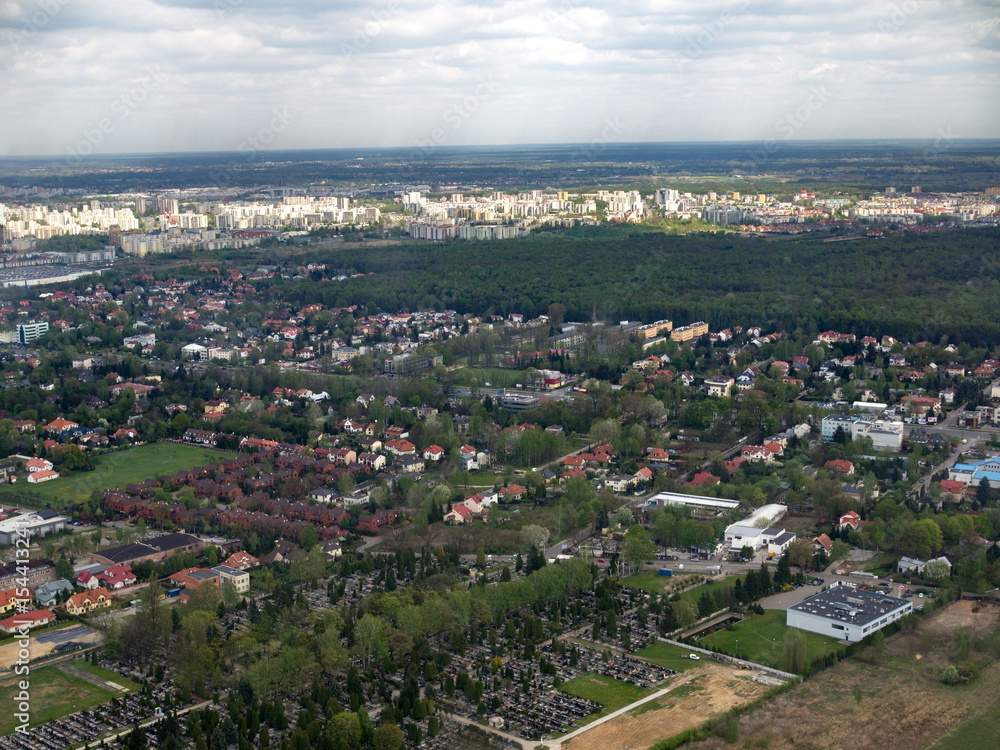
(106,674)
(723,584)
(665,655)
(124,467)
(53,694)
(761,639)
(609,692)
(650,580)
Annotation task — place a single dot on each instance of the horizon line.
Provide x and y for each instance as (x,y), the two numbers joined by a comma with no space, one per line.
(416,148)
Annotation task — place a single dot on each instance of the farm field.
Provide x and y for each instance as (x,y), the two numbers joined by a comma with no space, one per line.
(761,639)
(903,703)
(700,694)
(54,693)
(121,468)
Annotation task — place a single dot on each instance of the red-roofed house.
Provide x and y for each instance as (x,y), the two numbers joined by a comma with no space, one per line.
(118,577)
(703,479)
(401,447)
(433,453)
(87,580)
(241,561)
(60,425)
(513,492)
(573,461)
(851,519)
(42,476)
(658,456)
(839,466)
(37,464)
(953,488)
(88,601)
(35,619)
(822,542)
(458,514)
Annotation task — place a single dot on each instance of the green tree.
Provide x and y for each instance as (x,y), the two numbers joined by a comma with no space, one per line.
(638,547)
(795,651)
(388,737)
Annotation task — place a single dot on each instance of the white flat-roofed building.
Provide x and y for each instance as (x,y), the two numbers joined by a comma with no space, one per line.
(846,612)
(30,525)
(719,504)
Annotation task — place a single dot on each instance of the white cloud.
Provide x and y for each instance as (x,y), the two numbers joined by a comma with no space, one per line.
(388,72)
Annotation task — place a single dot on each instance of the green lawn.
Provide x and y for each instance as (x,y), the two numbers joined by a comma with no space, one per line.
(665,655)
(53,694)
(761,639)
(609,692)
(651,581)
(720,585)
(106,674)
(121,468)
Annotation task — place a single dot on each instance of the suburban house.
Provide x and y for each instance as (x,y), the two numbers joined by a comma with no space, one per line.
(88,601)
(850,519)
(374,461)
(117,577)
(458,514)
(33,465)
(241,561)
(50,594)
(720,387)
(822,543)
(839,466)
(37,618)
(433,453)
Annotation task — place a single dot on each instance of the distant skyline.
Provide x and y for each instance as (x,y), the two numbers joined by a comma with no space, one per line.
(114,76)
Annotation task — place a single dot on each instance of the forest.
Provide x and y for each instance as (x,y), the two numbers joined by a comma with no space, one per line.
(933,286)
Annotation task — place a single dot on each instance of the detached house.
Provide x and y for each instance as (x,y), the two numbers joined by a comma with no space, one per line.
(433,453)
(89,601)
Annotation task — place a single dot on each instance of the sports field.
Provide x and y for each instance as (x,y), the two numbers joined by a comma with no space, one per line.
(123,467)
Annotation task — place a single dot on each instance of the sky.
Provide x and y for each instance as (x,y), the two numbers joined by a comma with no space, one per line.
(85,77)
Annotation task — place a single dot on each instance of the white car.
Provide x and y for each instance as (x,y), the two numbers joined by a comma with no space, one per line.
(694,656)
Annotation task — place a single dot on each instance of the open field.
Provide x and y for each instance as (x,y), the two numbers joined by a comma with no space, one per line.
(124,467)
(666,655)
(904,705)
(54,693)
(700,694)
(761,639)
(609,692)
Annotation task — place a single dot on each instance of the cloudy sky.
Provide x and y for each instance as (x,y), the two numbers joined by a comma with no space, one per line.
(119,76)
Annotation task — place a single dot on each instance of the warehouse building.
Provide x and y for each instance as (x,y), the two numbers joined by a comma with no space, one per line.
(846,612)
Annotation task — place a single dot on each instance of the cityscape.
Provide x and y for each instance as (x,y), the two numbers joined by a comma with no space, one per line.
(499,376)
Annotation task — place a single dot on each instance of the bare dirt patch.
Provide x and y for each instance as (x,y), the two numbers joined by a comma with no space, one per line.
(699,694)
(9,651)
(903,703)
